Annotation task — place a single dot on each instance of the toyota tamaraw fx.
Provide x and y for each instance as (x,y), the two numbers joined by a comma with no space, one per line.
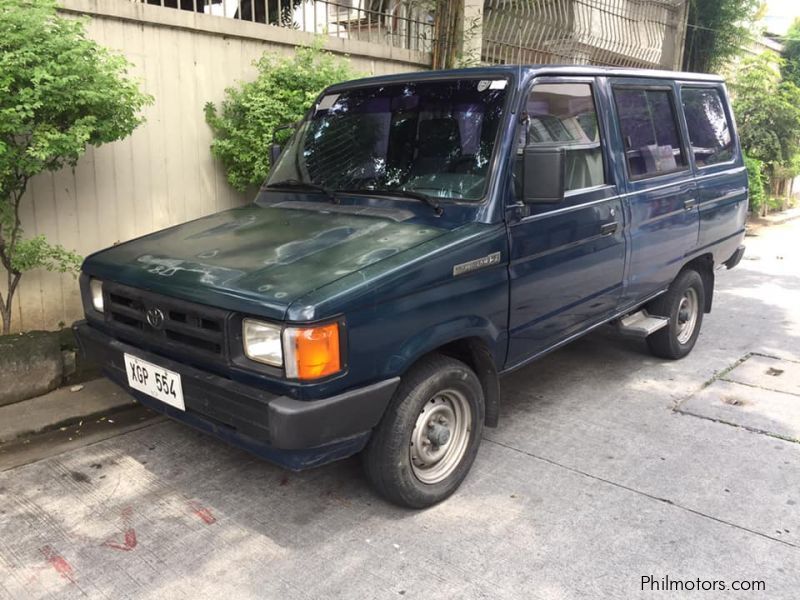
(417,237)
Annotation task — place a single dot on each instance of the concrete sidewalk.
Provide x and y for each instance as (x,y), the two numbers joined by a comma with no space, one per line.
(777,218)
(61,407)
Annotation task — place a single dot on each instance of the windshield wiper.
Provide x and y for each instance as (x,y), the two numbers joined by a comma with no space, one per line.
(402,192)
(304,185)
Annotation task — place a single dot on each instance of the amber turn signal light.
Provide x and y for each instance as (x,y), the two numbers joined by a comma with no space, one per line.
(312,352)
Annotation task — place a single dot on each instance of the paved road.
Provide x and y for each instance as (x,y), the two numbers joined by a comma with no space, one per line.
(608,466)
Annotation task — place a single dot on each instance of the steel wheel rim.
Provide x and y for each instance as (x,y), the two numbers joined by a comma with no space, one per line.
(432,458)
(688,310)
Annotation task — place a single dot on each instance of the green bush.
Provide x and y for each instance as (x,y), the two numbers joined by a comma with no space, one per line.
(767,110)
(755,175)
(775,204)
(281,93)
(59,93)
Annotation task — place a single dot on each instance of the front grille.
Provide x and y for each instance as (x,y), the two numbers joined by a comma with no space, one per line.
(182,326)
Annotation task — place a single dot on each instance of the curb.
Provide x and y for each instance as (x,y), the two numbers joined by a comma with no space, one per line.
(66,423)
(776,218)
(62,408)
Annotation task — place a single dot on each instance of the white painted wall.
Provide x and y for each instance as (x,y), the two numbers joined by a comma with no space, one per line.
(164,173)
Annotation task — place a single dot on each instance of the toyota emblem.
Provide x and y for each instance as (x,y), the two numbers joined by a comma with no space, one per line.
(155,318)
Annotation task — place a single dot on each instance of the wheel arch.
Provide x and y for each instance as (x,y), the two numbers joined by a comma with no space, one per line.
(475,353)
(477,341)
(704,265)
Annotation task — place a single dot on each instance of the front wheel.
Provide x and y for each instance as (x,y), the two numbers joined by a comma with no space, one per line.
(683,304)
(426,442)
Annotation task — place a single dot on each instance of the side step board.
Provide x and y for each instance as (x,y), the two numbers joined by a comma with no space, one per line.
(640,324)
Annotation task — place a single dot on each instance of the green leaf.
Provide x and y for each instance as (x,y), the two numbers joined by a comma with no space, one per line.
(59,93)
(767,111)
(244,123)
(36,253)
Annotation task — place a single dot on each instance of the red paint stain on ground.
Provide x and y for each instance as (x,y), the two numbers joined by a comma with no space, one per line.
(126,546)
(58,562)
(203,513)
(129,542)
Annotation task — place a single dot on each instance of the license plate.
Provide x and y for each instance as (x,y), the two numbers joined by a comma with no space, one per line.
(158,382)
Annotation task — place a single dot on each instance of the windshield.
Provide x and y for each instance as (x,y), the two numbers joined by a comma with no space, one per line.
(431,137)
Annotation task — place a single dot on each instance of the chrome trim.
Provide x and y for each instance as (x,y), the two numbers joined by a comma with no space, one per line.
(738,169)
(586,190)
(566,209)
(723,163)
(683,181)
(476,264)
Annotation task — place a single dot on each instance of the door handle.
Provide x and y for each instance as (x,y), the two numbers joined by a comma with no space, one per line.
(608,228)
(689,203)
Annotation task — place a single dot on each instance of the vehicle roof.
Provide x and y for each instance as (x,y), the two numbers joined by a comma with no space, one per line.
(519,70)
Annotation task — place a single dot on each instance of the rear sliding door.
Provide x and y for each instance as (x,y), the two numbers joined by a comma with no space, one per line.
(720,172)
(660,193)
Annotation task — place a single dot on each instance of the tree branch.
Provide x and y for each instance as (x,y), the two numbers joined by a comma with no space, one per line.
(21,187)
(7,247)
(13,281)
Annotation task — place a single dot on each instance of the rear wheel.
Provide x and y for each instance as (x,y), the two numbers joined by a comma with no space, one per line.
(683,304)
(426,442)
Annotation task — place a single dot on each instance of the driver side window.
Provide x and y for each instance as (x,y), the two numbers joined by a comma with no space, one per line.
(564,115)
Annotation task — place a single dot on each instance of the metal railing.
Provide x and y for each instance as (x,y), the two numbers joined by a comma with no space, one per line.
(625,33)
(388,22)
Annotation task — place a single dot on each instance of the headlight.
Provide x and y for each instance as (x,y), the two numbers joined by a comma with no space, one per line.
(262,342)
(96,291)
(312,352)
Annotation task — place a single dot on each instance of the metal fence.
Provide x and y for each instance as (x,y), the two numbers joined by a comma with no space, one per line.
(627,33)
(631,33)
(388,22)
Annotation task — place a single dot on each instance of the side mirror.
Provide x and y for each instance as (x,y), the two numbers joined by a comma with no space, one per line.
(274,153)
(543,174)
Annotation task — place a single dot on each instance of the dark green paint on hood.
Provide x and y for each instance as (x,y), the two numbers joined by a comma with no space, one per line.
(259,259)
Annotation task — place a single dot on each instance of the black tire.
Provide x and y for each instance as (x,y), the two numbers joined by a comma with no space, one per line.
(388,456)
(671,341)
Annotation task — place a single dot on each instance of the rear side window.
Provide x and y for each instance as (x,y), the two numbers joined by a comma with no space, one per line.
(649,132)
(708,126)
(564,115)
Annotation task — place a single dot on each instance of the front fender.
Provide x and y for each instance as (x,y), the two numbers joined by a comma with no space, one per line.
(442,334)
(415,302)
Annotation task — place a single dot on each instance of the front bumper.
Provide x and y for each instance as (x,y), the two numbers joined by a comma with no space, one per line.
(296,434)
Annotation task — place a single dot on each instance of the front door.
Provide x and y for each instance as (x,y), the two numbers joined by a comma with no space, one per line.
(567,258)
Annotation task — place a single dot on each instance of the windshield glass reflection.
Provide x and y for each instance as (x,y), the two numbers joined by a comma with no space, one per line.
(435,138)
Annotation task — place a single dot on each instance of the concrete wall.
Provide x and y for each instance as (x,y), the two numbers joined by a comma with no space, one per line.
(164,173)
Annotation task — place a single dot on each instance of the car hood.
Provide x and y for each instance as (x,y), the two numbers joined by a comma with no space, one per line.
(259,259)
